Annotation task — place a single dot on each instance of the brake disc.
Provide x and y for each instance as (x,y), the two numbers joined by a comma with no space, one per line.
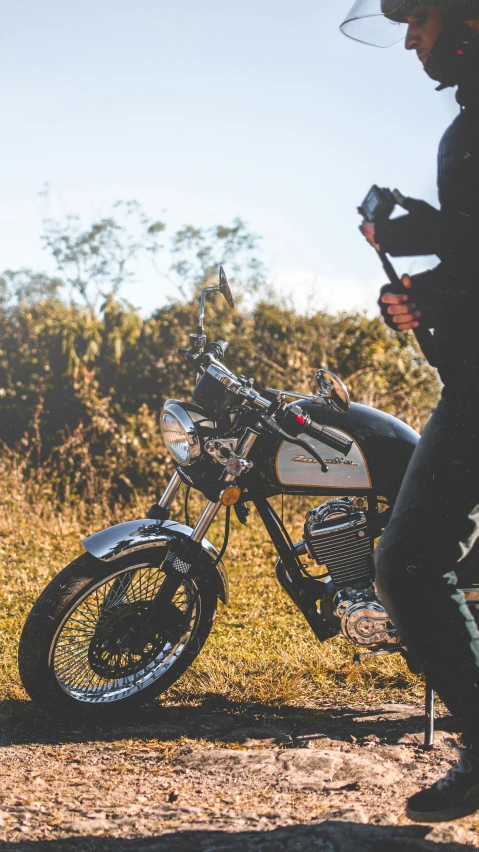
(120,647)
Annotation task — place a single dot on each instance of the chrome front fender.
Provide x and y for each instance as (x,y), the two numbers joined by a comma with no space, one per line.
(131,536)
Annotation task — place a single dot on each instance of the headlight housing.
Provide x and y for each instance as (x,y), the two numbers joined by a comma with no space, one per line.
(179,434)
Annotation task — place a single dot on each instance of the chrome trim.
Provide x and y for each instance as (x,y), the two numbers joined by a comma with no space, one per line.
(114,542)
(324,396)
(364,621)
(225,377)
(206,520)
(185,421)
(243,451)
(91,690)
(214,446)
(337,528)
(170,491)
(224,289)
(333,390)
(219,372)
(201,321)
(247,443)
(131,536)
(111,543)
(315,398)
(254,398)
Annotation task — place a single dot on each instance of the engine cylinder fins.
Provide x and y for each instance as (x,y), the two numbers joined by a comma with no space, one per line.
(336,535)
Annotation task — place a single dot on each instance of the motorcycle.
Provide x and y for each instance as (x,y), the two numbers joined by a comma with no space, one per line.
(124,621)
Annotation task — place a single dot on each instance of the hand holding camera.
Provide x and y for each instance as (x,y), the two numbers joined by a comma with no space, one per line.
(399,312)
(368,230)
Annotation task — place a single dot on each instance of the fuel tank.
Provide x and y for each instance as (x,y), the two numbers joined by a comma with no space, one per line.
(380,450)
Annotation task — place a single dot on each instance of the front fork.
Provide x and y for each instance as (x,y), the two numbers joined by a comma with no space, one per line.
(212,508)
(182,558)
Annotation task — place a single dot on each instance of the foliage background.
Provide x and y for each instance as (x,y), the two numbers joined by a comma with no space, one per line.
(83,375)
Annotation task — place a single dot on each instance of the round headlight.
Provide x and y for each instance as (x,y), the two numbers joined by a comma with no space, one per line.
(179,434)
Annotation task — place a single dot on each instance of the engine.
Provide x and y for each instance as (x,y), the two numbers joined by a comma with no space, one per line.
(337,536)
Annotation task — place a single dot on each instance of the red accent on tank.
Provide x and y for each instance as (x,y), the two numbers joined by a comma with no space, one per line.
(460,52)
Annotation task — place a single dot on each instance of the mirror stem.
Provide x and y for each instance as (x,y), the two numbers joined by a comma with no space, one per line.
(202,304)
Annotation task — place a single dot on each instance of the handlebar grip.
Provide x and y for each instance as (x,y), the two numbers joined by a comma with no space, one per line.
(272,426)
(218,348)
(330,438)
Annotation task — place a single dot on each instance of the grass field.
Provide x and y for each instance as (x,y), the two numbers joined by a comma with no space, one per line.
(261,650)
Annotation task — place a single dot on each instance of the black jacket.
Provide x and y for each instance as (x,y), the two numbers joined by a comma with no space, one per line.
(448,295)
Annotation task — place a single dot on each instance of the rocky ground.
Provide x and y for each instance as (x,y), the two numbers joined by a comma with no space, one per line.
(223,778)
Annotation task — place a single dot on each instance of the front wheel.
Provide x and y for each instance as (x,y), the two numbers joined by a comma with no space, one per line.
(84,648)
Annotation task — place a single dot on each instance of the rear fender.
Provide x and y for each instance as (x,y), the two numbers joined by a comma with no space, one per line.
(118,541)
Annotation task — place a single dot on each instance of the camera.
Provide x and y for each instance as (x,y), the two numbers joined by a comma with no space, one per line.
(378,204)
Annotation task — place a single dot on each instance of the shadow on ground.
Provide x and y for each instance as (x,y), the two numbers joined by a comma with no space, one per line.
(21,723)
(327,837)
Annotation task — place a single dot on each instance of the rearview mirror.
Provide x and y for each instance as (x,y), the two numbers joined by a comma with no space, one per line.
(333,390)
(224,288)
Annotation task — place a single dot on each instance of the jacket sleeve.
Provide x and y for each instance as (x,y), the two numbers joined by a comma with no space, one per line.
(427,292)
(417,233)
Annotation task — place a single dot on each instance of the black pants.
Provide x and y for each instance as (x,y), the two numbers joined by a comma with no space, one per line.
(429,549)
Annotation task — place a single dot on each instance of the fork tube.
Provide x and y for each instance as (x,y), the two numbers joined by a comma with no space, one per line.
(205,521)
(170,491)
(247,443)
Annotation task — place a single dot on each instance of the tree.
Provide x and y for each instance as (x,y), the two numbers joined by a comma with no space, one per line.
(24,285)
(95,262)
(198,253)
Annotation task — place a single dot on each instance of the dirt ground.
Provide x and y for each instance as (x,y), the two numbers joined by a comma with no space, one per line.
(223,778)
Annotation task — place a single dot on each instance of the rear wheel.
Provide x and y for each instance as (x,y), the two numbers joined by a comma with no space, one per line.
(84,646)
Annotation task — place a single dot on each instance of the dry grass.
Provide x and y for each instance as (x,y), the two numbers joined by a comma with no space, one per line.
(260,651)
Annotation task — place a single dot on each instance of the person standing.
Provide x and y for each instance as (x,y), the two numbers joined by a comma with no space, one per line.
(430,545)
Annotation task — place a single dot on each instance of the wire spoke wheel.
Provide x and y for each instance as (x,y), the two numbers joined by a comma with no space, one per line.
(102,652)
(90,647)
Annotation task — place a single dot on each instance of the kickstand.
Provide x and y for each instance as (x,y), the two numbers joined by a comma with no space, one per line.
(429,719)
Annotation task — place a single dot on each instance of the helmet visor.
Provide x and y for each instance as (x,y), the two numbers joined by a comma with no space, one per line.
(380,23)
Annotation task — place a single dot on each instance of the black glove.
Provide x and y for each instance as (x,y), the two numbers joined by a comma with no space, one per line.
(424,293)
(418,233)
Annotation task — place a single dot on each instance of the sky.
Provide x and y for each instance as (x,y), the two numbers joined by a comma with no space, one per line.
(204,110)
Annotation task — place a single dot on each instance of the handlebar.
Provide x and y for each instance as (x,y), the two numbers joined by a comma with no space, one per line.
(271,426)
(330,438)
(210,359)
(296,421)
(217,349)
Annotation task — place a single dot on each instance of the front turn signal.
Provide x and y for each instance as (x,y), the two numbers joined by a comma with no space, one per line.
(230,495)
